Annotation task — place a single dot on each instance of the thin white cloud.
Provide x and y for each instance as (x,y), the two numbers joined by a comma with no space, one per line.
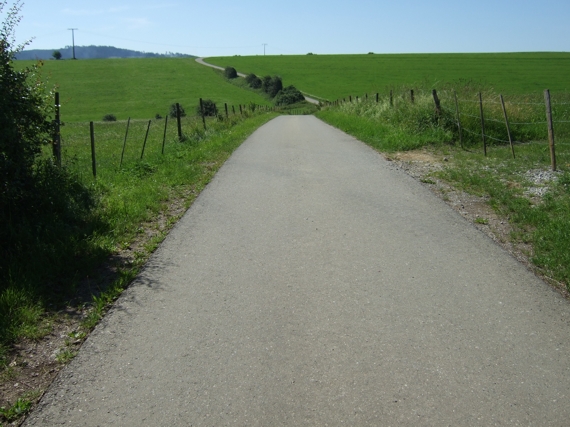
(82,12)
(159,6)
(137,23)
(119,9)
(93,12)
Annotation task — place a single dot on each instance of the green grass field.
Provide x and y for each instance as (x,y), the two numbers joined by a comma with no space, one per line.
(137,88)
(336,76)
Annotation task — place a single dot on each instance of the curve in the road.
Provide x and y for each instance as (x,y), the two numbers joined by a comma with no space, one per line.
(201,61)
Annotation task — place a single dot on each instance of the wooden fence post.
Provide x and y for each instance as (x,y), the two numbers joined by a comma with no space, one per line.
(412,95)
(550,128)
(376,97)
(391,98)
(125,142)
(178,121)
(350,98)
(164,135)
(145,138)
(437,104)
(226,107)
(57,132)
(240,110)
(233,110)
(93,162)
(507,124)
(482,124)
(458,120)
(202,113)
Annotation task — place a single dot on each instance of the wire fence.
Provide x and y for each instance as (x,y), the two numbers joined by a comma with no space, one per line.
(480,117)
(114,145)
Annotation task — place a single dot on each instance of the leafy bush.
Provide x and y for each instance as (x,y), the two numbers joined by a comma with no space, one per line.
(109,118)
(43,208)
(230,73)
(209,106)
(253,81)
(271,85)
(289,95)
(172,111)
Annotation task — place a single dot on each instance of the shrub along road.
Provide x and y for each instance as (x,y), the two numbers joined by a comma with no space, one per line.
(201,61)
(314,283)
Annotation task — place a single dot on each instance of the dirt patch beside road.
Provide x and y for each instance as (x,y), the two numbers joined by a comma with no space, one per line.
(421,164)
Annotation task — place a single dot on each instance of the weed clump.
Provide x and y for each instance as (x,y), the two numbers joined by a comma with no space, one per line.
(207,109)
(172,112)
(109,118)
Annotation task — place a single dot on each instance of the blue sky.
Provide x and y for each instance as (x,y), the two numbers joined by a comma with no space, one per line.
(240,27)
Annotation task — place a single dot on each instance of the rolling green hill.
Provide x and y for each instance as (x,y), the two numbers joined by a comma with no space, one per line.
(337,76)
(138,88)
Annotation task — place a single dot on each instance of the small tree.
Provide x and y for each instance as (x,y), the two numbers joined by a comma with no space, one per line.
(210,109)
(172,111)
(289,95)
(271,85)
(230,73)
(38,199)
(253,81)
(56,54)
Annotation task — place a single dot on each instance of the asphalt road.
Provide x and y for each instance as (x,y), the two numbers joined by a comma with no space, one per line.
(313,283)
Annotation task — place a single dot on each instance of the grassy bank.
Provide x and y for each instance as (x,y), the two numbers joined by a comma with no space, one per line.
(337,76)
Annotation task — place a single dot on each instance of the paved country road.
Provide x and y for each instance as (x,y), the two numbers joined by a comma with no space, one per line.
(312,283)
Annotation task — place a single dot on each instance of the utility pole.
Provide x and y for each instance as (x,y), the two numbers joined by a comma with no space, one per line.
(73,39)
(264,44)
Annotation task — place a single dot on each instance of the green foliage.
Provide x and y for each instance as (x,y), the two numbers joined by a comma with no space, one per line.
(56,54)
(230,73)
(44,209)
(20,408)
(208,108)
(172,113)
(289,95)
(109,118)
(253,81)
(271,85)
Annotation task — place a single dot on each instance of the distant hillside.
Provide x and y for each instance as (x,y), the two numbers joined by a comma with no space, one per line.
(94,52)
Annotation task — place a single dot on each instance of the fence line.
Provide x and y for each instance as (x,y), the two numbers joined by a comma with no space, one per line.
(450,98)
(235,111)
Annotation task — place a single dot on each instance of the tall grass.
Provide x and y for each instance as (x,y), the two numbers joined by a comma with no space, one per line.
(400,124)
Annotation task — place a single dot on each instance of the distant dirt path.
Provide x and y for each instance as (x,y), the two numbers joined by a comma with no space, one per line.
(201,61)
(312,283)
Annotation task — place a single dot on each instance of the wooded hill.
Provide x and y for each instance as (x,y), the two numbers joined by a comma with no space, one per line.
(94,52)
